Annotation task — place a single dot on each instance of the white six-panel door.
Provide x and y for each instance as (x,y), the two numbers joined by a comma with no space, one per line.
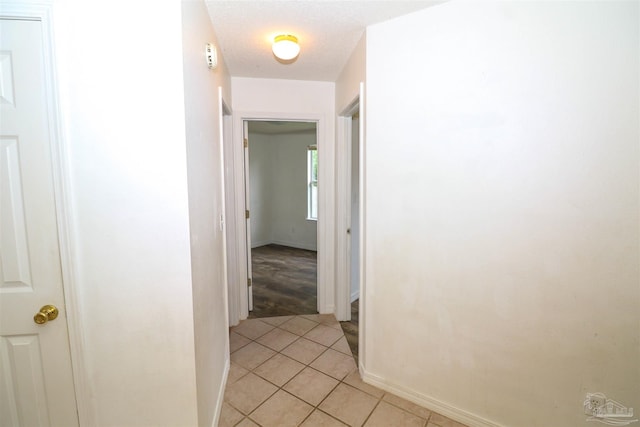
(36,384)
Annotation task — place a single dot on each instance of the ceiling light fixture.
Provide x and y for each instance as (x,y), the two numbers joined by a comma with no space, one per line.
(286,47)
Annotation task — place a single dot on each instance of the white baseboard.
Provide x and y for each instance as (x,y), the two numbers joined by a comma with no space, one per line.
(428,402)
(259,243)
(355,295)
(297,245)
(223,386)
(329,309)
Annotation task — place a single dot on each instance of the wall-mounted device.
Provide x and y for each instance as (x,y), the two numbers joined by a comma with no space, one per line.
(211,55)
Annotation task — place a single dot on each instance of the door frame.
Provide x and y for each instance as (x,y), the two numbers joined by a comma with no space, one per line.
(325,289)
(225,134)
(62,192)
(343,220)
(343,215)
(247,208)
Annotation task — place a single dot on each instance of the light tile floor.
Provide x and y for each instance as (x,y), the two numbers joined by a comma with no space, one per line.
(299,371)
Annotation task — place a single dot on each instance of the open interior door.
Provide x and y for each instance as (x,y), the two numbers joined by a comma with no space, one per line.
(247,204)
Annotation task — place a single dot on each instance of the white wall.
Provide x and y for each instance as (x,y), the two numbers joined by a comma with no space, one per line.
(123,113)
(206,196)
(290,224)
(279,191)
(502,208)
(298,100)
(354,72)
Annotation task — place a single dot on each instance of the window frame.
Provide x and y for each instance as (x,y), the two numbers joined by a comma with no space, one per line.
(312,196)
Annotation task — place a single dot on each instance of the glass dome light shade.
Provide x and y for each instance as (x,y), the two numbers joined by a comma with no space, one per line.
(285,47)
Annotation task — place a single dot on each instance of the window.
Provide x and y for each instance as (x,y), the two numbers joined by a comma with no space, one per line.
(312,182)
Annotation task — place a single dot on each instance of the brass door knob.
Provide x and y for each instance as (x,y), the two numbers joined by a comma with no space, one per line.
(46,313)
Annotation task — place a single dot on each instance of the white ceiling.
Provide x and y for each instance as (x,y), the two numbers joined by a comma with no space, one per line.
(327,31)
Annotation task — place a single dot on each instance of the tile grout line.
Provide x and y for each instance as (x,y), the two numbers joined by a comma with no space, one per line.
(373,410)
(308,365)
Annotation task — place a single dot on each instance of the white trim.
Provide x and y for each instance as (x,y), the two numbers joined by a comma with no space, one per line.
(355,295)
(223,110)
(343,183)
(362,306)
(344,297)
(238,308)
(257,244)
(223,385)
(247,207)
(425,401)
(310,183)
(328,309)
(325,205)
(64,214)
(294,245)
(231,241)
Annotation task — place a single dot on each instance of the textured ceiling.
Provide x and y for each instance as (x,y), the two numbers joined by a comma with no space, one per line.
(327,31)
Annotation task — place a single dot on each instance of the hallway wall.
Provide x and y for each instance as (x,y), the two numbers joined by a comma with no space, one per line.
(123,113)
(206,206)
(354,72)
(502,208)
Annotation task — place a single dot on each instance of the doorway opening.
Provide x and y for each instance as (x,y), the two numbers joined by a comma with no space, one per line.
(351,327)
(350,123)
(350,225)
(281,200)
